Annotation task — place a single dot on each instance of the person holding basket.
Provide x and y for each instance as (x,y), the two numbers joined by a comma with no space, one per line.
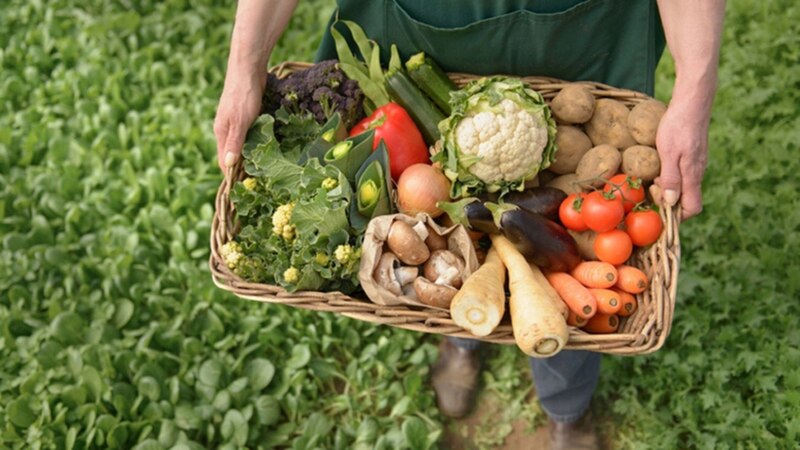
(616,42)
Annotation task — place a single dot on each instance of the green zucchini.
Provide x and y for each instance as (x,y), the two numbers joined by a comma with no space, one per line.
(425,114)
(431,79)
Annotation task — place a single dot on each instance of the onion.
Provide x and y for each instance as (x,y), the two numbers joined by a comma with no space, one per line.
(419,188)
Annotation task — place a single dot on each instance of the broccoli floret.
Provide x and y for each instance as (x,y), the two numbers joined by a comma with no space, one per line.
(291,275)
(231,253)
(281,219)
(329,183)
(249,183)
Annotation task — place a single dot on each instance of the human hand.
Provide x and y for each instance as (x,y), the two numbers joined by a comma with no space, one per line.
(239,105)
(682,142)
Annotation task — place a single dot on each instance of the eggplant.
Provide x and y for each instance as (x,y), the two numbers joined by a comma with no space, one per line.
(541,240)
(538,200)
(471,213)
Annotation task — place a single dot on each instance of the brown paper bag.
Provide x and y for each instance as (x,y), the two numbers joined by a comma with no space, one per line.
(458,242)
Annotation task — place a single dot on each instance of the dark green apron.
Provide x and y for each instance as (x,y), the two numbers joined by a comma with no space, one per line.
(618,42)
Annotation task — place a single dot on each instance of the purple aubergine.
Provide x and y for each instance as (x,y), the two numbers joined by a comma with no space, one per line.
(539,239)
(470,212)
(538,200)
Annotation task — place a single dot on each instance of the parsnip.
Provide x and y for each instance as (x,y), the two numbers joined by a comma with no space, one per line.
(480,303)
(539,328)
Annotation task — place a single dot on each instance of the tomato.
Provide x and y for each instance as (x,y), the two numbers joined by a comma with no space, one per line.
(629,188)
(601,213)
(613,247)
(570,212)
(644,227)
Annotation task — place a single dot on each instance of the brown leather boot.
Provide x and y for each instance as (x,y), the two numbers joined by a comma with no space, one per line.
(455,379)
(578,435)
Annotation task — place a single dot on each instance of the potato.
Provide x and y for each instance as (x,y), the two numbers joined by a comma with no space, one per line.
(572,144)
(585,241)
(643,121)
(574,104)
(609,124)
(641,161)
(567,183)
(597,165)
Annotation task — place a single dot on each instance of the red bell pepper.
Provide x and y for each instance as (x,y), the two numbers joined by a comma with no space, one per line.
(402,137)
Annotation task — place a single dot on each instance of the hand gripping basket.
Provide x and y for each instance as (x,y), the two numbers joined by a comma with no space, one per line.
(643,332)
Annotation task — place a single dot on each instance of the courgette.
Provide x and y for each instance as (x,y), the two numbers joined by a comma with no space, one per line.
(425,114)
(431,79)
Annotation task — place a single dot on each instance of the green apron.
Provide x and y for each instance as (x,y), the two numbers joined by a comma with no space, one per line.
(617,42)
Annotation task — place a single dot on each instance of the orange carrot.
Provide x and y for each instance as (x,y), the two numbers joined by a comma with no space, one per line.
(575,321)
(595,274)
(631,280)
(608,301)
(602,324)
(574,294)
(629,303)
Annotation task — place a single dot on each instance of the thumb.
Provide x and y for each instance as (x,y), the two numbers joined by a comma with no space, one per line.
(233,147)
(670,181)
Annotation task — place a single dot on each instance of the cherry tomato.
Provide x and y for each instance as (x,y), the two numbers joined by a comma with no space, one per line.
(570,212)
(601,213)
(613,247)
(630,189)
(644,227)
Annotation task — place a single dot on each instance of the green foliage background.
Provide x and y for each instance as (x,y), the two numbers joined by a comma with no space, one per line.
(113,335)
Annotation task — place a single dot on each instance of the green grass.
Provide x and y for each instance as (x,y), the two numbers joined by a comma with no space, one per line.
(113,335)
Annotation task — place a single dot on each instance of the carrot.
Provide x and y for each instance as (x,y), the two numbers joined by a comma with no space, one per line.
(539,328)
(631,280)
(608,301)
(557,301)
(595,274)
(575,295)
(575,321)
(629,303)
(480,304)
(602,324)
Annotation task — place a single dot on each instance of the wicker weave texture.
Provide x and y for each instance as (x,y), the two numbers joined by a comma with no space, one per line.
(643,332)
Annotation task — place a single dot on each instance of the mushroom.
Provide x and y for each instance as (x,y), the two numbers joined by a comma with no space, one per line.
(392,276)
(435,241)
(410,292)
(433,294)
(444,267)
(404,242)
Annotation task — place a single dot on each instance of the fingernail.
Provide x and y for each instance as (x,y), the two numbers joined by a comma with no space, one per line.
(670,197)
(230,159)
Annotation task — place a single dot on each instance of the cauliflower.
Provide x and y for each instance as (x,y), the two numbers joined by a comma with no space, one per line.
(281,219)
(499,135)
(231,253)
(249,183)
(329,183)
(343,253)
(291,275)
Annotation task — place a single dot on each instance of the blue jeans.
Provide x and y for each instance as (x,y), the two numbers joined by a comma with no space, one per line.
(564,383)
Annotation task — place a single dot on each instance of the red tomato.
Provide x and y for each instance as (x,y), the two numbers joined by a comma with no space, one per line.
(613,247)
(601,213)
(570,212)
(644,227)
(630,189)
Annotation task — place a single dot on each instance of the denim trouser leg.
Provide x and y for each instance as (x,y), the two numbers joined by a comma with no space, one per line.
(565,383)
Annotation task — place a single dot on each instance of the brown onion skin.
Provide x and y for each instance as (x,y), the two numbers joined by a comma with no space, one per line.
(419,179)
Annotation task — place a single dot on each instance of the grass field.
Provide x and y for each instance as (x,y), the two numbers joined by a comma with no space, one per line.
(113,335)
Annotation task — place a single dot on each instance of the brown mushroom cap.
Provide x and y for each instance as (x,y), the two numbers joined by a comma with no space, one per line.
(385,275)
(404,242)
(435,241)
(444,267)
(434,294)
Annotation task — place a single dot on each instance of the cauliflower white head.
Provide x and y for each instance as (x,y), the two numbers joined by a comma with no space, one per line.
(499,135)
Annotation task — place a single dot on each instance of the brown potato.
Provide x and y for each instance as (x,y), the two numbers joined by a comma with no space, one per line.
(643,121)
(572,144)
(597,165)
(609,124)
(567,183)
(585,241)
(574,104)
(641,161)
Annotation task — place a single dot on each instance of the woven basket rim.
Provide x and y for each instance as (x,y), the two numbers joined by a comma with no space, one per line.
(643,332)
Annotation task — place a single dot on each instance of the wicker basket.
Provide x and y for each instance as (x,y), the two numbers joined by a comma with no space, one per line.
(643,332)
